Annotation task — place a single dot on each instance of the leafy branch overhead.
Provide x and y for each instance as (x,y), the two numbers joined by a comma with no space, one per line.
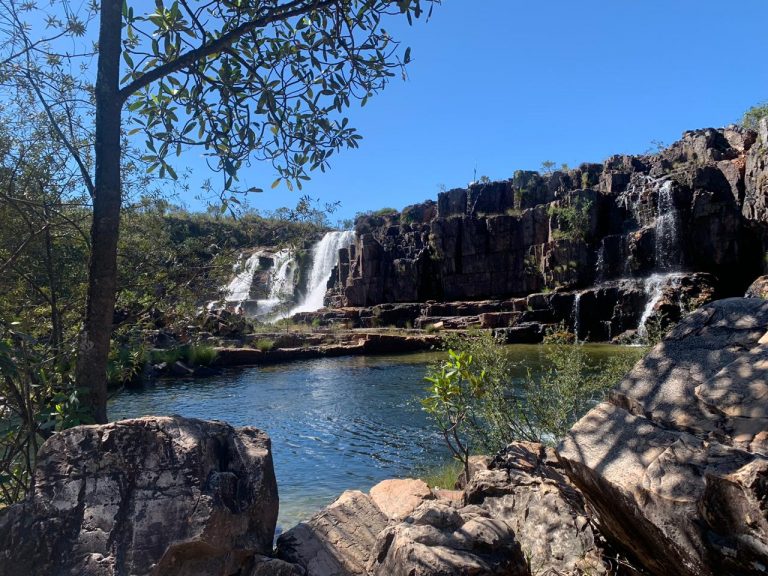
(256,80)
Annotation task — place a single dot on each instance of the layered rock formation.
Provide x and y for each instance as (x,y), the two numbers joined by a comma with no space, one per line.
(155,495)
(697,207)
(675,463)
(518,516)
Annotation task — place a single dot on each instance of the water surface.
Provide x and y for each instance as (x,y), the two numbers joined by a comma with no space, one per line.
(335,423)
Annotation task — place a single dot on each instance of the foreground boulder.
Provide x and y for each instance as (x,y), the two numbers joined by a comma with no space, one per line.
(518,515)
(170,496)
(675,462)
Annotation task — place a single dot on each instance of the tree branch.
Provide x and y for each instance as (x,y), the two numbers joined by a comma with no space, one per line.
(294,8)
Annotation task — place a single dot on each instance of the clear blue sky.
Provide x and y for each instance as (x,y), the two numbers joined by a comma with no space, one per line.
(504,85)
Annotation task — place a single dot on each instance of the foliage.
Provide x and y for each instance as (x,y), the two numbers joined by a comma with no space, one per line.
(534,402)
(37,398)
(456,387)
(201,355)
(239,81)
(264,344)
(443,476)
(752,117)
(573,219)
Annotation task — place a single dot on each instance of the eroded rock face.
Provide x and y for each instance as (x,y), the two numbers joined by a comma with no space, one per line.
(526,488)
(154,495)
(698,206)
(675,462)
(337,541)
(438,540)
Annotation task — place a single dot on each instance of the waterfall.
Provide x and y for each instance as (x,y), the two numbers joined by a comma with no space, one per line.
(600,266)
(239,288)
(576,314)
(325,255)
(667,249)
(653,287)
(280,284)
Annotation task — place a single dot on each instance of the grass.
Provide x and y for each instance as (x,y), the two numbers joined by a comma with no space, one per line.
(201,355)
(264,344)
(443,476)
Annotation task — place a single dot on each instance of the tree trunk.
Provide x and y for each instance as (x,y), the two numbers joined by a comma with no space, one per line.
(91,374)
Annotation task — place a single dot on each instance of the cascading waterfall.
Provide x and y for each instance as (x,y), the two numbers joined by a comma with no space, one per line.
(600,266)
(325,255)
(239,288)
(576,314)
(280,284)
(654,287)
(667,250)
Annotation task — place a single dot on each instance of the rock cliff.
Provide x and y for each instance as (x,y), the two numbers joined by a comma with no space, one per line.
(699,206)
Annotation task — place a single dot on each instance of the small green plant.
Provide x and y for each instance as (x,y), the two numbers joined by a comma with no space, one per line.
(455,387)
(264,344)
(752,117)
(573,219)
(443,476)
(316,322)
(201,355)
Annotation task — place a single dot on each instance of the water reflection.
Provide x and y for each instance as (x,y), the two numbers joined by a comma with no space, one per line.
(336,423)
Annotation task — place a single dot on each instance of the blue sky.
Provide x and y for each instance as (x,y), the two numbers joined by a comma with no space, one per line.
(503,85)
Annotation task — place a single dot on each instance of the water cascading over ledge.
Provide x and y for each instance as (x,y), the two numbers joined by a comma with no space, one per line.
(636,237)
(264,284)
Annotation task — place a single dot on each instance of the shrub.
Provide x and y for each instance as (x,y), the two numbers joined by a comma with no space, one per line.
(201,355)
(264,344)
(521,401)
(456,386)
(752,117)
(573,218)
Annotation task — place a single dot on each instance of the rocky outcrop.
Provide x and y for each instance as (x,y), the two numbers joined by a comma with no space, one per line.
(155,495)
(698,206)
(675,464)
(518,515)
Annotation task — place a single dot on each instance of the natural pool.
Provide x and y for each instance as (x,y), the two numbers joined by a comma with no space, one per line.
(335,423)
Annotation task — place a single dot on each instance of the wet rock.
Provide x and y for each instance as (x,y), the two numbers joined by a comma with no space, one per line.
(155,495)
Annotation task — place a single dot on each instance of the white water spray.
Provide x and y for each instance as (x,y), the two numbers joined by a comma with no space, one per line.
(325,255)
(667,249)
(654,287)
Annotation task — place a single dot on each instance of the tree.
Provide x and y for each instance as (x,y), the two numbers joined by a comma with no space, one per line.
(243,80)
(752,117)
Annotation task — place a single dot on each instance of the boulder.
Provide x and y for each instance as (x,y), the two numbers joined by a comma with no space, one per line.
(438,540)
(674,464)
(397,498)
(758,288)
(336,541)
(526,489)
(154,495)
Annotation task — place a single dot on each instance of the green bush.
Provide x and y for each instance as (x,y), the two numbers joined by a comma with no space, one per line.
(264,344)
(522,401)
(456,387)
(573,219)
(37,398)
(201,355)
(752,117)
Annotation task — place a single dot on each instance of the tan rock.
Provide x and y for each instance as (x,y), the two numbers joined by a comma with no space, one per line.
(336,541)
(397,498)
(673,464)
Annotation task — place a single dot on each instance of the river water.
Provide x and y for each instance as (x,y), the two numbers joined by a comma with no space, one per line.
(335,423)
